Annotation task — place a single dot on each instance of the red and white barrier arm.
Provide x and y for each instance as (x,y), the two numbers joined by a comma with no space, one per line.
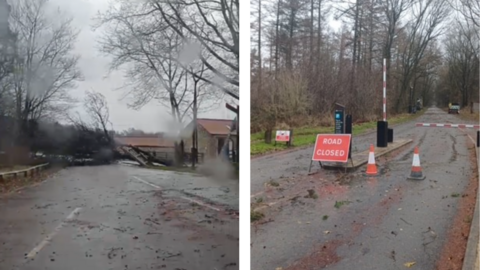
(447,125)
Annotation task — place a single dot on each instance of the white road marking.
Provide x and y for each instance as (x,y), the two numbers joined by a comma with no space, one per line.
(182,197)
(49,237)
(200,203)
(148,183)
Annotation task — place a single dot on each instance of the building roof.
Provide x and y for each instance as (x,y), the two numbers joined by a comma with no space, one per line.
(145,141)
(216,126)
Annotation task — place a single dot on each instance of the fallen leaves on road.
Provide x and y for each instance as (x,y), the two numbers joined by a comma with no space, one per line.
(409,264)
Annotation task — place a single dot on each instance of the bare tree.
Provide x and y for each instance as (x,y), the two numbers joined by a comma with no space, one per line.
(147,49)
(462,62)
(45,67)
(97,108)
(214,25)
(423,29)
(394,10)
(470,9)
(157,60)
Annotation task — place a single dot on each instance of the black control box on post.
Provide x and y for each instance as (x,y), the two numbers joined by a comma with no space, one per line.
(382,134)
(390,135)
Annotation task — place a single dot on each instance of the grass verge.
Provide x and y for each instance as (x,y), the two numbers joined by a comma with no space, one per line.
(306,135)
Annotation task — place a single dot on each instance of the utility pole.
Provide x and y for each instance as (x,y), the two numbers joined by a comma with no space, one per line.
(236,111)
(194,150)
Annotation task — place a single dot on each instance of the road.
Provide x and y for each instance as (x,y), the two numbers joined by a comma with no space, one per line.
(361,222)
(120,217)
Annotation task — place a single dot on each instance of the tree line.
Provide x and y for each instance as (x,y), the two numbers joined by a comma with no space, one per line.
(301,66)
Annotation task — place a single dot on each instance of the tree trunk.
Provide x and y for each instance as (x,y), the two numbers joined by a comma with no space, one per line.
(277,30)
(259,45)
(268,136)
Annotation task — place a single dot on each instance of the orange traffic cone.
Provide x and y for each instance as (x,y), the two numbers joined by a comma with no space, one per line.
(416,173)
(371,167)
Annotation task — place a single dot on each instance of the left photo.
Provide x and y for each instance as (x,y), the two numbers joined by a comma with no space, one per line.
(119,134)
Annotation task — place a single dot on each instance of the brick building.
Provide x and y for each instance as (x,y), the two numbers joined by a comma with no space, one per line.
(212,134)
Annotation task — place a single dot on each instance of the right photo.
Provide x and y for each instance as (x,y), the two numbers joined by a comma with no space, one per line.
(365,134)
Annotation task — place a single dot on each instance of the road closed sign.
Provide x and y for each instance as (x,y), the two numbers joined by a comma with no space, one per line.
(332,147)
(282,136)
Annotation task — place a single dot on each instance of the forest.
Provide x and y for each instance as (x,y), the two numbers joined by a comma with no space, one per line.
(307,55)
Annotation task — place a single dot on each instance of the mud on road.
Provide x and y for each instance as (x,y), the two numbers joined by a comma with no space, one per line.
(118,217)
(334,221)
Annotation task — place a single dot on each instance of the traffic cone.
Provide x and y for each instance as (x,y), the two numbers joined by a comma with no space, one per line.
(416,173)
(371,167)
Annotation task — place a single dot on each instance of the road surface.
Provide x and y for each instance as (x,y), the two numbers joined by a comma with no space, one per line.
(359,222)
(120,217)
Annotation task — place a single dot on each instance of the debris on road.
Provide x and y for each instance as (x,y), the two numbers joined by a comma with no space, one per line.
(339,204)
(311,194)
(377,209)
(255,216)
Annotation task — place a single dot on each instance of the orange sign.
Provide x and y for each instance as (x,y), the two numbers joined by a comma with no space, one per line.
(282,136)
(332,147)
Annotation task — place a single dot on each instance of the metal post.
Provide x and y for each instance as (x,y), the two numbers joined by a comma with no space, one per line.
(384,89)
(478,138)
(238,134)
(194,150)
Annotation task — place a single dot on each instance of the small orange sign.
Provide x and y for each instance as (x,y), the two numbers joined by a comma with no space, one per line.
(282,136)
(332,147)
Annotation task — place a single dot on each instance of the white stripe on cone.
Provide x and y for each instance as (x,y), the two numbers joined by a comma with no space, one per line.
(371,158)
(416,160)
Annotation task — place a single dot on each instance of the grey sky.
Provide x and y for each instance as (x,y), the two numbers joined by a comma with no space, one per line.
(153,116)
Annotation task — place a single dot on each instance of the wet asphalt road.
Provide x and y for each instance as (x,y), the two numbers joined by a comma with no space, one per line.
(387,222)
(120,217)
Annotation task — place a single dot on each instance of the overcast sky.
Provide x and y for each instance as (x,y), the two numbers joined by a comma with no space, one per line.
(152,117)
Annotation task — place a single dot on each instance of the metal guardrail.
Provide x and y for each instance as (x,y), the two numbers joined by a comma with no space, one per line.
(24,173)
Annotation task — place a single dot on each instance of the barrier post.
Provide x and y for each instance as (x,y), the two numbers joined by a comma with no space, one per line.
(478,138)
(382,134)
(349,130)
